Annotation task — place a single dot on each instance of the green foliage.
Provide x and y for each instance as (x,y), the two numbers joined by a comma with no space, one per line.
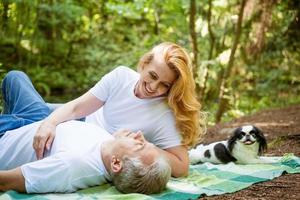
(67,46)
(2,72)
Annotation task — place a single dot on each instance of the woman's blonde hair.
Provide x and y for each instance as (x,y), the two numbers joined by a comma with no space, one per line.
(182,96)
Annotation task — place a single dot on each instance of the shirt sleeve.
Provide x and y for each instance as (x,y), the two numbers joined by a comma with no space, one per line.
(104,87)
(50,174)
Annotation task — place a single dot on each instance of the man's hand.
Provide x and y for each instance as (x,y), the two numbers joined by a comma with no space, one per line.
(43,138)
(127,133)
(12,180)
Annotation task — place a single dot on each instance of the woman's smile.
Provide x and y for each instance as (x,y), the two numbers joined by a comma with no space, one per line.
(147,89)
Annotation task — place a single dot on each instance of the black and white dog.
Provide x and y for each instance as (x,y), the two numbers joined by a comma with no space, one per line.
(244,147)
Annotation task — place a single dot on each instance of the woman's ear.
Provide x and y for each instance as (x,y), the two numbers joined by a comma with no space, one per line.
(116,164)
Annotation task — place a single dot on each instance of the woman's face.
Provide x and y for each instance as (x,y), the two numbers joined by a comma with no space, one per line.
(156,79)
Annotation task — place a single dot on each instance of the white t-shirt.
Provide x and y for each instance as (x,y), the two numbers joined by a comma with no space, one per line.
(73,162)
(123,110)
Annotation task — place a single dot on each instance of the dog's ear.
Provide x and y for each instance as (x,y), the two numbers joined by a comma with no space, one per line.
(261,140)
(233,138)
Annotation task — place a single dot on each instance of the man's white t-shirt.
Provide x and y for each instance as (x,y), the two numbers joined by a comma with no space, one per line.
(73,162)
(123,110)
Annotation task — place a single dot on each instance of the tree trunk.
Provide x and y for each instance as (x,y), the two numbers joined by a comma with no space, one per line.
(18,31)
(210,31)
(262,27)
(223,101)
(5,14)
(293,31)
(104,16)
(156,21)
(210,55)
(193,35)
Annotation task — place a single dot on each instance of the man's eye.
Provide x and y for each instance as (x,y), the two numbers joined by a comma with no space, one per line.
(141,143)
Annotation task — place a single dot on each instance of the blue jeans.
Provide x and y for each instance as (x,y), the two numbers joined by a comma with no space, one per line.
(22,103)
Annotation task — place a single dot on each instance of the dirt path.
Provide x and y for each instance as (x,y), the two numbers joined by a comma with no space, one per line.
(282,130)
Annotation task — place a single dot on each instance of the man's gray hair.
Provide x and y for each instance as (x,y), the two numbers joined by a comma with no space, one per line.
(137,177)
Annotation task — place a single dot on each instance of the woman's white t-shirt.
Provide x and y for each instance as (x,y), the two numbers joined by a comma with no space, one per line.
(123,110)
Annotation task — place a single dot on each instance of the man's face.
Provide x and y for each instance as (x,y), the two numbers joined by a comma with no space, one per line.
(135,145)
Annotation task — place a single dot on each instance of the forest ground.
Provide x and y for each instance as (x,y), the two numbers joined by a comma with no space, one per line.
(281,127)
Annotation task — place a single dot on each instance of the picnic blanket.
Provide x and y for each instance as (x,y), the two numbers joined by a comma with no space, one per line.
(204,179)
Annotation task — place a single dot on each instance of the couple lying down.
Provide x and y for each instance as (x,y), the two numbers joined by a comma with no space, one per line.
(158,99)
(82,155)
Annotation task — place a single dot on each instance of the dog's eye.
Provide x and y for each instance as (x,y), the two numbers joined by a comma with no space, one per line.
(253,134)
(243,134)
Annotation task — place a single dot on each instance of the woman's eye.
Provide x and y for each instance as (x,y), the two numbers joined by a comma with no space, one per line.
(166,85)
(153,76)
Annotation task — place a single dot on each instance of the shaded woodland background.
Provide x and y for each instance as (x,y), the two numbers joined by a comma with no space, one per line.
(245,52)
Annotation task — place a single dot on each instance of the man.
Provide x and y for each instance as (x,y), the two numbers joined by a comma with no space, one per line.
(82,155)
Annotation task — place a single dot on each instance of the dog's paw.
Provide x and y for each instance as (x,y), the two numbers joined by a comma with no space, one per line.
(259,160)
(265,159)
(195,156)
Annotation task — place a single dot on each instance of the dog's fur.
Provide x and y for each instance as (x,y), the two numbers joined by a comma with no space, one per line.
(244,147)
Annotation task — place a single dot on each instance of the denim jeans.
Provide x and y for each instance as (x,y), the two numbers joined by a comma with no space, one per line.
(22,103)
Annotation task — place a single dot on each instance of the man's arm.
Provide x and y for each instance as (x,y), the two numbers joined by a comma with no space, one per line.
(12,180)
(178,160)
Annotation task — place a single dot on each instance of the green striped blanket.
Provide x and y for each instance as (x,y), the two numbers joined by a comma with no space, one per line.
(204,178)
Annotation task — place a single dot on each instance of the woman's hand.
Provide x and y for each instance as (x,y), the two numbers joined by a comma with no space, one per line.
(43,138)
(76,109)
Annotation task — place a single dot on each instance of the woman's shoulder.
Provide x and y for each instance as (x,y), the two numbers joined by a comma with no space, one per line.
(125,70)
(123,73)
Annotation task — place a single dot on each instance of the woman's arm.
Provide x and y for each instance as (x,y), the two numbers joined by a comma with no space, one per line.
(75,109)
(178,160)
(177,156)
(12,180)
(78,108)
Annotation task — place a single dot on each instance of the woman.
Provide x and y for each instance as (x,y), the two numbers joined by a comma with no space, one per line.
(160,100)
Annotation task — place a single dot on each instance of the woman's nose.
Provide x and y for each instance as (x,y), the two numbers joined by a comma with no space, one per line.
(154,85)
